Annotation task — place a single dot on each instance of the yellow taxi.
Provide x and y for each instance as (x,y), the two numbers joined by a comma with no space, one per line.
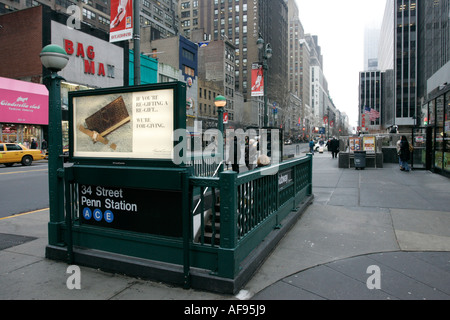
(11,153)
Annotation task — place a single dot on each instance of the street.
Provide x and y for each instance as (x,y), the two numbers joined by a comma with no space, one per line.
(23,189)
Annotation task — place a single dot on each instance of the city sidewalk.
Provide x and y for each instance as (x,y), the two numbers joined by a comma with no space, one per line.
(370,234)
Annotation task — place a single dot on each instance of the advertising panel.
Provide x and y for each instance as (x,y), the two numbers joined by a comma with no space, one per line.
(354,144)
(369,144)
(121,27)
(23,102)
(138,123)
(257,80)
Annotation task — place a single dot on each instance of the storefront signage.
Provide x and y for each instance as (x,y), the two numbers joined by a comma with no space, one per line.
(88,55)
(93,62)
(154,212)
(23,102)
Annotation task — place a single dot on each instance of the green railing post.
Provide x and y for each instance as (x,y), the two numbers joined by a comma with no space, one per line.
(186,230)
(228,209)
(310,156)
(227,264)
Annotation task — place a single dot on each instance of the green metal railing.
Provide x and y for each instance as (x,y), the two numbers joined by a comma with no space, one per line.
(251,206)
(243,210)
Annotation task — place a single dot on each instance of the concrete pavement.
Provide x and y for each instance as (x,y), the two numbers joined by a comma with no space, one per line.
(379,228)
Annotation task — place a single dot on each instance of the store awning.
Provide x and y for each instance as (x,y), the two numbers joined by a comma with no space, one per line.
(23,102)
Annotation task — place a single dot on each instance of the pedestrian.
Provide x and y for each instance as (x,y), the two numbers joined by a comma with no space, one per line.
(33,144)
(334,147)
(44,146)
(405,154)
(399,141)
(236,156)
(311,146)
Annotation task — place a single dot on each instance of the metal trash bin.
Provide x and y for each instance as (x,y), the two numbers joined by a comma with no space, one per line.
(360,160)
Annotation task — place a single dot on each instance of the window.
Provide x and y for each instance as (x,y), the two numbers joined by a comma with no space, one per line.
(189,71)
(13,147)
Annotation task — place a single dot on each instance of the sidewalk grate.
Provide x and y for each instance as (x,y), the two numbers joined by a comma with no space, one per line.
(11,240)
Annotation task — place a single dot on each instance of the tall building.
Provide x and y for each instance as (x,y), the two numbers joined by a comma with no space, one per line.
(299,68)
(434,44)
(319,85)
(242,22)
(95,13)
(405,61)
(160,16)
(371,40)
(371,97)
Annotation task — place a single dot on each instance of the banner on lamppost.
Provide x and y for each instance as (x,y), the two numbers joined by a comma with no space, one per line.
(121,27)
(257,80)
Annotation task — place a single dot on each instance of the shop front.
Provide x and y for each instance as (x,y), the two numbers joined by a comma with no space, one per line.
(23,112)
(435,124)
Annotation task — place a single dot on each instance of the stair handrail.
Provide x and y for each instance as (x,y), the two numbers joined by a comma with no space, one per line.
(206,189)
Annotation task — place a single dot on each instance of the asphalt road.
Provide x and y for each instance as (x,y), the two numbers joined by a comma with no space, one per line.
(23,189)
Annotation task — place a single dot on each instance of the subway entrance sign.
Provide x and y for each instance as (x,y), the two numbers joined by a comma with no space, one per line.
(153,212)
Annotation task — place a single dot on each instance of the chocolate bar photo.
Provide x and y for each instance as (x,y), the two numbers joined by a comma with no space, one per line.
(109,118)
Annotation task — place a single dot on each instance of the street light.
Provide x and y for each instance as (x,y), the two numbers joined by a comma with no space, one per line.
(266,56)
(220,103)
(55,58)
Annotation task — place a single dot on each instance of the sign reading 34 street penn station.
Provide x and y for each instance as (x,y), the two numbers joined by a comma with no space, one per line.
(136,210)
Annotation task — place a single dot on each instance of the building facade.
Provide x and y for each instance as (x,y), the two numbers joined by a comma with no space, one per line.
(405,62)
(371,98)
(94,62)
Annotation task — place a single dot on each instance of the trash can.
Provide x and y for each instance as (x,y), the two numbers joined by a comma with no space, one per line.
(360,160)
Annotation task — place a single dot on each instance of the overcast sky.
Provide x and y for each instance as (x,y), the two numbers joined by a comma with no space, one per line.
(339,25)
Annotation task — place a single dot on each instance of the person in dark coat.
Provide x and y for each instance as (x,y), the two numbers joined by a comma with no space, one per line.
(334,147)
(405,154)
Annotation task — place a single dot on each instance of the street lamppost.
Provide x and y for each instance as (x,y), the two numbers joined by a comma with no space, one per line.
(328,123)
(267,54)
(220,103)
(55,58)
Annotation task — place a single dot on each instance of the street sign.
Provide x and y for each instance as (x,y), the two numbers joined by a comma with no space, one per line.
(225,117)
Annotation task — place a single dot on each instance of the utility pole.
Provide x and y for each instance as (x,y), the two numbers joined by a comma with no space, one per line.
(137,42)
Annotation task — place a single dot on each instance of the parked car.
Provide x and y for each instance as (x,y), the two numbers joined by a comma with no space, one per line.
(319,146)
(11,153)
